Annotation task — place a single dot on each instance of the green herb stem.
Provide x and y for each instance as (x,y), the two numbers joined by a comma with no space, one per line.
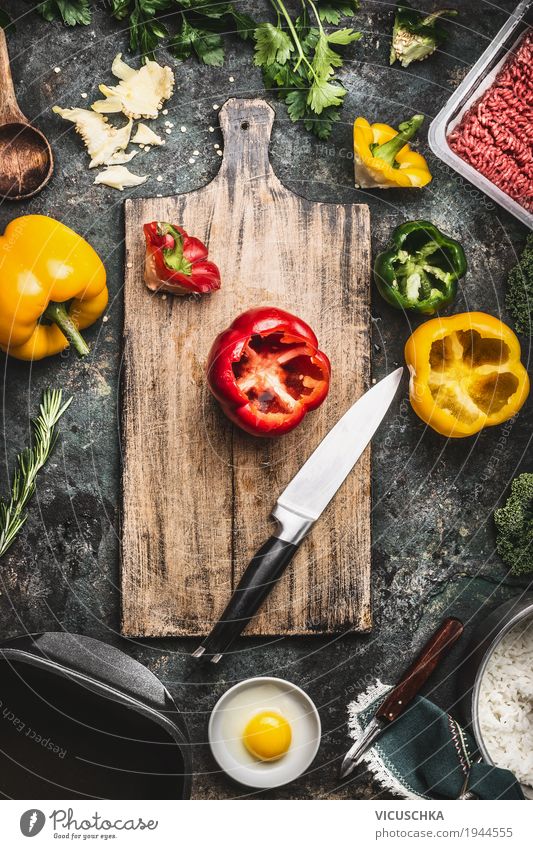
(317,16)
(297,43)
(28,464)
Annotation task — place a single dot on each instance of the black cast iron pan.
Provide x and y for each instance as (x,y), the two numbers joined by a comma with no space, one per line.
(80,719)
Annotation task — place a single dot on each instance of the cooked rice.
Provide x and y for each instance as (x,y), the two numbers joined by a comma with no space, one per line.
(506,703)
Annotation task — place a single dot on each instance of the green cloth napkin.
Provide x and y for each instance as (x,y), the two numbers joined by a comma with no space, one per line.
(425,754)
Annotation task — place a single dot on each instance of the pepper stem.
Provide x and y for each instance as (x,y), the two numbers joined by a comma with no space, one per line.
(406,131)
(58,314)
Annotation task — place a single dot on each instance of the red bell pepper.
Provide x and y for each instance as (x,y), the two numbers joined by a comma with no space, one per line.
(176,262)
(267,372)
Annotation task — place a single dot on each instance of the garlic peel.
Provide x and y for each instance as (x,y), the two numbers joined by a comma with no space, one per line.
(120,69)
(118,177)
(101,139)
(121,158)
(145,135)
(140,93)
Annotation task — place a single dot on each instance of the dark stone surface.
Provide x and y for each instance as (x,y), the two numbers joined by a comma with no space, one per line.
(433,499)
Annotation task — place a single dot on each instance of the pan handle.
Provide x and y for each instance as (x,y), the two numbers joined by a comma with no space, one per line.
(418,673)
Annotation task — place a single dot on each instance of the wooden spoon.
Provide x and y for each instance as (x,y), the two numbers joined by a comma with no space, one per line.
(26,161)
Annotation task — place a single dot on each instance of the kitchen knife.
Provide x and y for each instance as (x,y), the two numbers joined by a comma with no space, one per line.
(404,692)
(298,508)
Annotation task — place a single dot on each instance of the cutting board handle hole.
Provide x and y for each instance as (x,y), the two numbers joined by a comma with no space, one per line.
(245,125)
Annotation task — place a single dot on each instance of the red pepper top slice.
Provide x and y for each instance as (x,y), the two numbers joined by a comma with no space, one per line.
(267,372)
(176,262)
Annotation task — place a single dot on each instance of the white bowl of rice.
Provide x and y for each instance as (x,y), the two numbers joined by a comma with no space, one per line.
(502,698)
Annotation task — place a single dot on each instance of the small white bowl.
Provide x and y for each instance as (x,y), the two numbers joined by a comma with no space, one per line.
(237,706)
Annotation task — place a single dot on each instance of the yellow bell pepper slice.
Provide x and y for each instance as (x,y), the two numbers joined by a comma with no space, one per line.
(43,265)
(384,160)
(466,373)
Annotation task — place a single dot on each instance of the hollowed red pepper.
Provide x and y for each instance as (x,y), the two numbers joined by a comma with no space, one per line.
(267,372)
(176,262)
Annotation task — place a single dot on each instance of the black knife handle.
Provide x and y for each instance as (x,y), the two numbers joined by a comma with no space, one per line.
(260,576)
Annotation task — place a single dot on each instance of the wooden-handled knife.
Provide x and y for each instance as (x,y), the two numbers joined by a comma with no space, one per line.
(298,507)
(404,692)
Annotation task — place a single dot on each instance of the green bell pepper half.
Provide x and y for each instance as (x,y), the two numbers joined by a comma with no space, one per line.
(419,272)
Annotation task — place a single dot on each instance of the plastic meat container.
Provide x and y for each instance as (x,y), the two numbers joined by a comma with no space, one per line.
(477,81)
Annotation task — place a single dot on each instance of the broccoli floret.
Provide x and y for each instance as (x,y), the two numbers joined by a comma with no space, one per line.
(519,297)
(514,526)
(415,35)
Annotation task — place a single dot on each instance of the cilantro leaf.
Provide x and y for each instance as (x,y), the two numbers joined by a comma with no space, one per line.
(299,61)
(244,23)
(325,59)
(71,12)
(322,126)
(344,36)
(120,8)
(146,31)
(296,104)
(325,94)
(331,13)
(298,109)
(324,90)
(272,45)
(207,46)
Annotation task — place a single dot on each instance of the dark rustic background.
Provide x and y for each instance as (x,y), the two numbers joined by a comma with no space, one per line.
(433,551)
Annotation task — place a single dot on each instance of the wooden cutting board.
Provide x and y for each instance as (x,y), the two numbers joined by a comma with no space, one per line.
(196,491)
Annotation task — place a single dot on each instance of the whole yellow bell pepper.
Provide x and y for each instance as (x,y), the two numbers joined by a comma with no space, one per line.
(44,265)
(383,159)
(466,373)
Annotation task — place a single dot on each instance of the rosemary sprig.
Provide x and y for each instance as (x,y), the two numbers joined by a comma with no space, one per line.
(29,462)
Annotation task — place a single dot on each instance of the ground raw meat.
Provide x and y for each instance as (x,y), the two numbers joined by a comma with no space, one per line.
(495,136)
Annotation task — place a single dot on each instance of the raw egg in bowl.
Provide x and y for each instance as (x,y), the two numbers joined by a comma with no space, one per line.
(264,732)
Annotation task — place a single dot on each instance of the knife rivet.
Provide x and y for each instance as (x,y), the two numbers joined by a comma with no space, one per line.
(391,714)
(400,701)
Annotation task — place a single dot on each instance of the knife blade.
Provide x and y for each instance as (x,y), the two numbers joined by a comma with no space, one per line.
(396,701)
(298,507)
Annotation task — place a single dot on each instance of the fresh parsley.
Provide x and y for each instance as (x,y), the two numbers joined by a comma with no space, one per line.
(207,46)
(71,12)
(202,26)
(298,57)
(331,13)
(197,26)
(299,61)
(146,30)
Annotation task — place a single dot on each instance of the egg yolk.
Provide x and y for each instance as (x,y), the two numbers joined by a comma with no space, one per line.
(267,736)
